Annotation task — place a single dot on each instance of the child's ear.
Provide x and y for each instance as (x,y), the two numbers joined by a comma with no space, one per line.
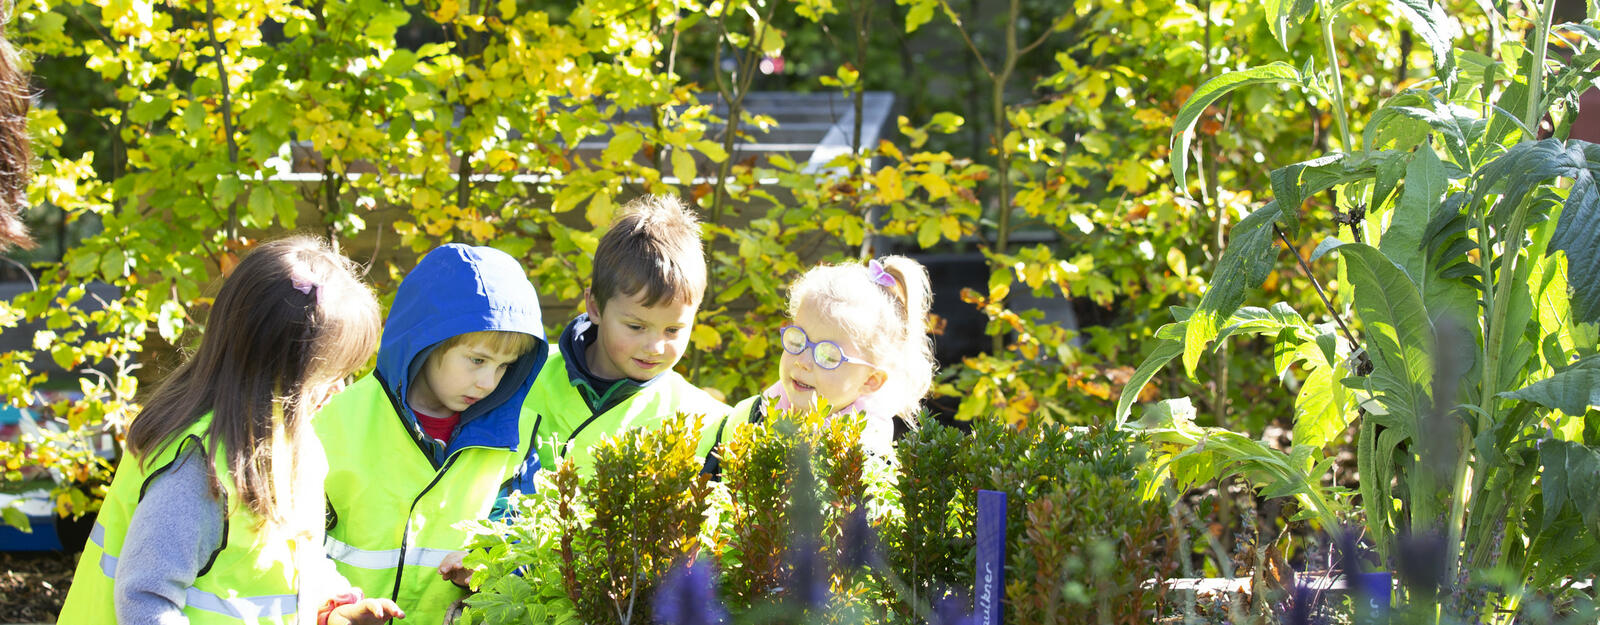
(588,304)
(874,382)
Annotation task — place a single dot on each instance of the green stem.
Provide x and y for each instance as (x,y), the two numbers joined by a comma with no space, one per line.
(1511,240)
(1536,71)
(1340,117)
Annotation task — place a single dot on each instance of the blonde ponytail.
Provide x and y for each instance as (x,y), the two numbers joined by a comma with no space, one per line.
(914,294)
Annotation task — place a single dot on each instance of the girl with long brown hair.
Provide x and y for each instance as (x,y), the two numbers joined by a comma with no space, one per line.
(216,512)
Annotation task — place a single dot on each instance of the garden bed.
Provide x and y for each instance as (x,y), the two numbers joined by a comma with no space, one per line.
(33,585)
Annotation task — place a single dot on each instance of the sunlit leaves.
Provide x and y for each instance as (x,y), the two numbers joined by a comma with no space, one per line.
(1213,89)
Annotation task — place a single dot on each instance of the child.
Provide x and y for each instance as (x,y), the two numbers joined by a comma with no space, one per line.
(215,515)
(613,368)
(858,342)
(434,436)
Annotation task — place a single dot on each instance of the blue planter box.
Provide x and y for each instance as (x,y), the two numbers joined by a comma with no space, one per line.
(44,537)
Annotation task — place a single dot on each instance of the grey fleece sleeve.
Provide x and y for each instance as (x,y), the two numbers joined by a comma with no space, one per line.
(173,533)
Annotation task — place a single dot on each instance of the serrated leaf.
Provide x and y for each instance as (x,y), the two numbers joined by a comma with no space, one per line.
(1398,333)
(1245,264)
(1183,125)
(1571,474)
(1425,188)
(1321,408)
(1571,390)
(1527,166)
(1431,21)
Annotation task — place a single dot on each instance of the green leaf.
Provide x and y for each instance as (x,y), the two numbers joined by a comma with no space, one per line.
(623,146)
(146,111)
(1431,21)
(920,13)
(14,516)
(1398,334)
(1527,166)
(1283,15)
(1321,408)
(1425,188)
(1245,263)
(384,23)
(1183,126)
(1571,390)
(261,206)
(1571,474)
(683,166)
(1164,352)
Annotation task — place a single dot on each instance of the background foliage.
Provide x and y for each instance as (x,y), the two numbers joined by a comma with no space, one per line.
(174,134)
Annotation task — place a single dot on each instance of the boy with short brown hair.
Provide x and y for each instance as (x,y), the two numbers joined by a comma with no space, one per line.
(612,369)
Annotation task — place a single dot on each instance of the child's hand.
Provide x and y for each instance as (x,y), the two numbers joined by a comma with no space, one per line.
(365,612)
(452,569)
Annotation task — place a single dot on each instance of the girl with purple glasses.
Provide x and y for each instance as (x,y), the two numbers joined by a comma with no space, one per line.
(857,342)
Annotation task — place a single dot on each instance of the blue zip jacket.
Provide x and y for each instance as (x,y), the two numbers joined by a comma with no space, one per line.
(456,289)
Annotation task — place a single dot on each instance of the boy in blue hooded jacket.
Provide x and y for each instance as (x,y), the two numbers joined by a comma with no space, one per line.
(435,435)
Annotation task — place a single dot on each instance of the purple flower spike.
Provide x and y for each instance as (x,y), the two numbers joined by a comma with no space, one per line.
(808,575)
(953,610)
(688,596)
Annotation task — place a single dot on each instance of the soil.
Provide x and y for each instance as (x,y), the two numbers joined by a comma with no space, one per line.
(33,585)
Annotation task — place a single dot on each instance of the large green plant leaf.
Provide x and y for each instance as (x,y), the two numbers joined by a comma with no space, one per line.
(1527,166)
(1571,475)
(1571,390)
(1425,188)
(1283,15)
(1322,407)
(1164,352)
(1245,263)
(1398,334)
(1183,126)
(1433,23)
(1192,455)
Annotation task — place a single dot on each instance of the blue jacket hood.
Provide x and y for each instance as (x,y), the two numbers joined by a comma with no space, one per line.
(456,289)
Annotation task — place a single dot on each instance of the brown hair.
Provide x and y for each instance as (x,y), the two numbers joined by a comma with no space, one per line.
(269,353)
(652,247)
(493,340)
(888,323)
(16,153)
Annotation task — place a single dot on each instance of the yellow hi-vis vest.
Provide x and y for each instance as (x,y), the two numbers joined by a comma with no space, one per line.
(392,513)
(569,429)
(243,583)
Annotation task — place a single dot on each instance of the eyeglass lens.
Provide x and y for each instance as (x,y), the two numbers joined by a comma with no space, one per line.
(826,354)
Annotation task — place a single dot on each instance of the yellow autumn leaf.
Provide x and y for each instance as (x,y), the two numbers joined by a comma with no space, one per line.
(950,227)
(935,184)
(889,185)
(705,337)
(888,149)
(600,209)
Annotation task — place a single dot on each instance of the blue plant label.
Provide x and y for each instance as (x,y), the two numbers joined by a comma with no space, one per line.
(991,575)
(1374,589)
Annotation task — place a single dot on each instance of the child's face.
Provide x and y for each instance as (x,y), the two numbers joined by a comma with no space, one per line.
(805,382)
(458,378)
(636,341)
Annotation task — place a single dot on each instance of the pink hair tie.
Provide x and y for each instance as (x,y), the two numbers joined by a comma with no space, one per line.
(880,275)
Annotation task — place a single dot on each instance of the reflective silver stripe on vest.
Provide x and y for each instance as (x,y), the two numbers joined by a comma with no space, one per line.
(263,607)
(108,562)
(382,559)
